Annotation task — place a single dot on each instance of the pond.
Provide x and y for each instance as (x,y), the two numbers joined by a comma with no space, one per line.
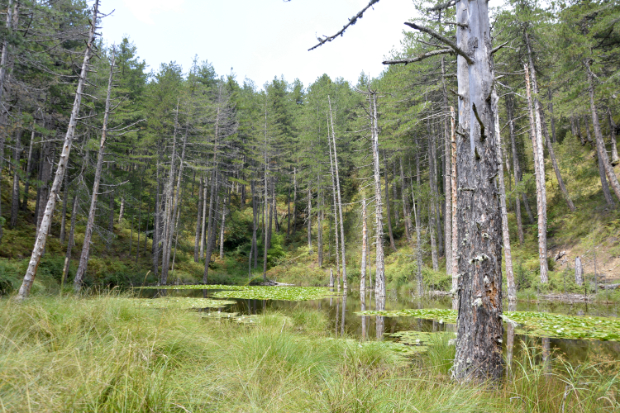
(347,318)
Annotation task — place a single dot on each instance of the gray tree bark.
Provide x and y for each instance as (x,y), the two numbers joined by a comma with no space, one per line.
(516,169)
(539,168)
(387,203)
(379,254)
(79,276)
(198,223)
(615,160)
(15,196)
(600,144)
(46,222)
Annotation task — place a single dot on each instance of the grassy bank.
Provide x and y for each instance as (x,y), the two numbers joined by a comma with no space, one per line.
(105,354)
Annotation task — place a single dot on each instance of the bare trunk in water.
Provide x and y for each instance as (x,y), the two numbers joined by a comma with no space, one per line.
(342,243)
(379,255)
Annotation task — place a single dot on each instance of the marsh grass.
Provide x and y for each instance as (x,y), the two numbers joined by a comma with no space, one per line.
(108,354)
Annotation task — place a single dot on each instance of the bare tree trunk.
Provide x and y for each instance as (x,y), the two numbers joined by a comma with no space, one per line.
(79,276)
(223,228)
(319,218)
(364,248)
(335,203)
(454,263)
(379,255)
(542,127)
(418,232)
(342,243)
(578,271)
(600,144)
(512,290)
(71,240)
(615,160)
(198,223)
(15,196)
(539,166)
(294,201)
(203,234)
(169,205)
(267,228)
(254,224)
(516,169)
(309,219)
(553,135)
(480,331)
(28,169)
(46,222)
(406,213)
(447,179)
(387,203)
(587,128)
(431,215)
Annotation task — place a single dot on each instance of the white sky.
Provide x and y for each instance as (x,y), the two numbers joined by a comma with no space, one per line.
(260,39)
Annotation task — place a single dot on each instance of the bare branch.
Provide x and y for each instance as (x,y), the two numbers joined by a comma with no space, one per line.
(352,21)
(419,58)
(495,49)
(442,6)
(443,39)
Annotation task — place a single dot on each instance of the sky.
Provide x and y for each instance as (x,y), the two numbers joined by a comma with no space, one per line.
(260,39)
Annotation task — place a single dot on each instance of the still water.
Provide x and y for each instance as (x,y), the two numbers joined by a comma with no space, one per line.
(343,322)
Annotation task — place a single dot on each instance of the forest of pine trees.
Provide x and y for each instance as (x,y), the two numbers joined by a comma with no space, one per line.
(453,154)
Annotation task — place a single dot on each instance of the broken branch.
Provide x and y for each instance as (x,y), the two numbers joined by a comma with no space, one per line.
(443,39)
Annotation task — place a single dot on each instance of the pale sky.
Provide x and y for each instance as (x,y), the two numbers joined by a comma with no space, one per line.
(260,39)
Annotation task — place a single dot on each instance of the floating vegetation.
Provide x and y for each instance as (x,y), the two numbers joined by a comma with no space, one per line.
(182,303)
(277,293)
(257,292)
(443,316)
(530,323)
(419,338)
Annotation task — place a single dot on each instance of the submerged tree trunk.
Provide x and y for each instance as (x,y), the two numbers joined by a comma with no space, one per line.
(539,167)
(46,222)
(79,276)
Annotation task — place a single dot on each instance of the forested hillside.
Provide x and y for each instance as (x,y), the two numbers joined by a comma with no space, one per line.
(190,167)
(477,172)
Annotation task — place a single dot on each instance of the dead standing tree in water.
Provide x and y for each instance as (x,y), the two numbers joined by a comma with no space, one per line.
(46,220)
(480,330)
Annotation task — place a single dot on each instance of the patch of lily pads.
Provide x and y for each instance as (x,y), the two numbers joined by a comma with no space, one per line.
(530,323)
(182,303)
(257,292)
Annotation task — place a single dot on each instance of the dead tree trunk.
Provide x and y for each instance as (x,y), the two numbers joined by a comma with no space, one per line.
(223,228)
(379,255)
(198,224)
(578,271)
(168,206)
(431,215)
(515,167)
(46,222)
(342,243)
(600,144)
(364,248)
(309,219)
(615,160)
(540,124)
(24,205)
(71,240)
(15,196)
(335,203)
(254,224)
(79,276)
(406,212)
(512,290)
(454,263)
(387,203)
(539,169)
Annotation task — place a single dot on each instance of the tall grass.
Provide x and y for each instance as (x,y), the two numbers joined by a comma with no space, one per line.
(104,354)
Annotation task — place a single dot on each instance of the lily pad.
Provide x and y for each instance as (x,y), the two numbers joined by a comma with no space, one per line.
(182,303)
(530,323)
(257,292)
